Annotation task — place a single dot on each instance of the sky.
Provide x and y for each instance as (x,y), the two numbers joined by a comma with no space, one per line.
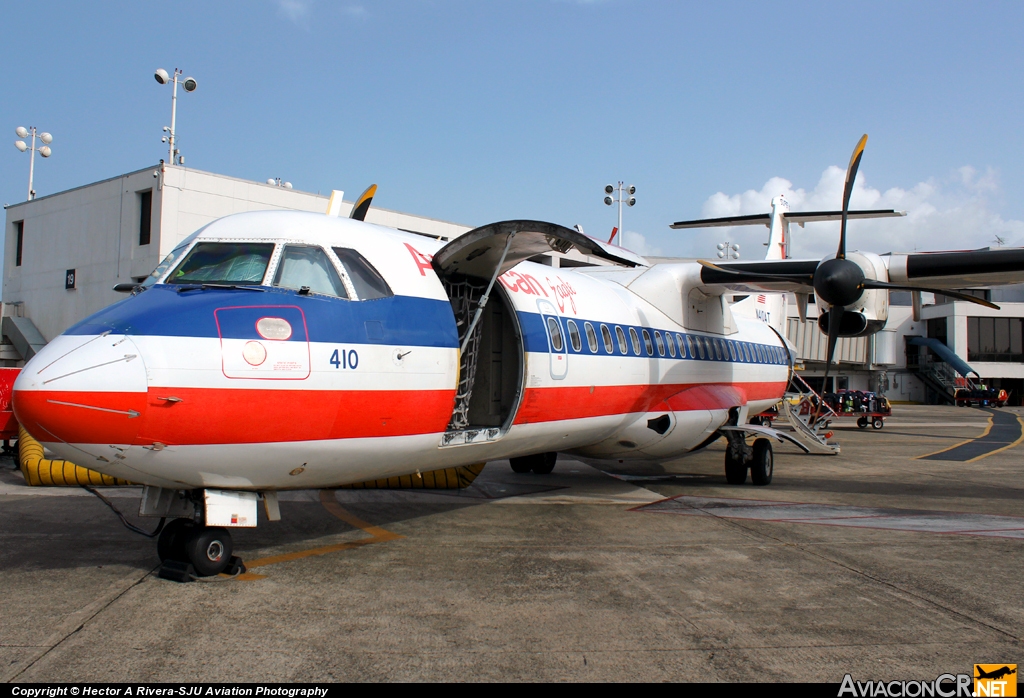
(476,111)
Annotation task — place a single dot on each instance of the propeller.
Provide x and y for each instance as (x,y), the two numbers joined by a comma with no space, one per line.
(840,282)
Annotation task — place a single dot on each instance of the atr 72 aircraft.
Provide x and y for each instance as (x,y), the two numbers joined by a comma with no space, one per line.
(285,350)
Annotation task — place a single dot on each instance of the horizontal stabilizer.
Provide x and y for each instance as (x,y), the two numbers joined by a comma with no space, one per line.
(800,217)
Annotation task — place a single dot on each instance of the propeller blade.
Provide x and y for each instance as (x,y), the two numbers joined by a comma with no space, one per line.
(851,174)
(953,294)
(362,204)
(835,319)
(803,280)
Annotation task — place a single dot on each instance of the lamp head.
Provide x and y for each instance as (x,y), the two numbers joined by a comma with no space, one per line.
(608,189)
(608,201)
(22,132)
(45,151)
(161,76)
(190,84)
(632,201)
(46,137)
(632,189)
(21,145)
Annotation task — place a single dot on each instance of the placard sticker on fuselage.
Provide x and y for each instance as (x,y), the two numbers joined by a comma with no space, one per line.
(263,342)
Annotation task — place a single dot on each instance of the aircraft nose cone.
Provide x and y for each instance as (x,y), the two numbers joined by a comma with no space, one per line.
(83,392)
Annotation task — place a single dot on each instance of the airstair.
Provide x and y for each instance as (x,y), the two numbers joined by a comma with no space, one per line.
(942,377)
(801,406)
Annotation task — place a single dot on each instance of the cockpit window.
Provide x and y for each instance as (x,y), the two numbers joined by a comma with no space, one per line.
(309,267)
(170,260)
(224,263)
(367,281)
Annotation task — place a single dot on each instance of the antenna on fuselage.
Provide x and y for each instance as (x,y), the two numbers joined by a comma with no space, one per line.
(334,205)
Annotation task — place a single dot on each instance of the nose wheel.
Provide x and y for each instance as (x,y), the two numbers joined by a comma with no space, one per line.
(188,550)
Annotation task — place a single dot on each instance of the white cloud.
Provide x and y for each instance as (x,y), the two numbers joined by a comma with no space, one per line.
(950,213)
(635,242)
(296,11)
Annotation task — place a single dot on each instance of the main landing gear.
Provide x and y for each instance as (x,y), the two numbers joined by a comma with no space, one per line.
(739,458)
(540,463)
(188,550)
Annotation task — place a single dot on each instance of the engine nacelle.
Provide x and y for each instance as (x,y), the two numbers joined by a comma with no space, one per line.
(869,313)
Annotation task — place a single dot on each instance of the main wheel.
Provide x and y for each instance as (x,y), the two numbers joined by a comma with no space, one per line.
(766,421)
(171,543)
(544,463)
(877,423)
(523,464)
(209,550)
(735,470)
(862,423)
(763,464)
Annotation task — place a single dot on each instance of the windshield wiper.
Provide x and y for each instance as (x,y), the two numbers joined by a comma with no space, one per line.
(199,287)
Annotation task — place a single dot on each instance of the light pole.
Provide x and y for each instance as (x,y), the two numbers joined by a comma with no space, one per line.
(728,250)
(44,150)
(620,199)
(276,182)
(189,85)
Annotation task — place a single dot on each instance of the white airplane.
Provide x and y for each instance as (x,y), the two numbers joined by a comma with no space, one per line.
(284,350)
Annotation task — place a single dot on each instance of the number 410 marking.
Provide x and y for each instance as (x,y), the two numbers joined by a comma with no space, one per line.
(345,359)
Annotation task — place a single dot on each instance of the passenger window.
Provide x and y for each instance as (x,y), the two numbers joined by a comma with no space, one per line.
(671,345)
(574,335)
(689,347)
(659,342)
(700,346)
(606,335)
(647,343)
(591,337)
(309,267)
(746,352)
(556,334)
(224,263)
(720,350)
(760,354)
(732,349)
(621,336)
(366,280)
(635,340)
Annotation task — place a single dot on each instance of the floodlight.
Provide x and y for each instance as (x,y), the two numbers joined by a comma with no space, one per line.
(736,247)
(632,189)
(271,181)
(21,145)
(721,245)
(721,254)
(46,137)
(608,189)
(190,84)
(608,201)
(45,151)
(287,185)
(21,132)
(161,76)
(632,201)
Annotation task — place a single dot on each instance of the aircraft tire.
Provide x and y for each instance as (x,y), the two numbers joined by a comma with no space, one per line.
(523,464)
(171,543)
(209,550)
(544,463)
(735,470)
(763,465)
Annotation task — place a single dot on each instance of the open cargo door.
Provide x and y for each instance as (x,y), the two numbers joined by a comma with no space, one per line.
(500,246)
(491,358)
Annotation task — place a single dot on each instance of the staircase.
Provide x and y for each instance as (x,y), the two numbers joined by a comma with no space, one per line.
(942,378)
(800,406)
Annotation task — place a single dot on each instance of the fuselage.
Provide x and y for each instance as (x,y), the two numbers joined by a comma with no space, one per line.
(334,357)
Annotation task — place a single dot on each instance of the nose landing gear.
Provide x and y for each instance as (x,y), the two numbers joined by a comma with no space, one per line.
(188,551)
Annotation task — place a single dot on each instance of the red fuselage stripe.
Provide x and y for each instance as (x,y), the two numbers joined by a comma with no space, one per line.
(228,416)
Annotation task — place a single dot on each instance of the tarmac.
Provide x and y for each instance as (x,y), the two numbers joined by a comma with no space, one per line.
(875,563)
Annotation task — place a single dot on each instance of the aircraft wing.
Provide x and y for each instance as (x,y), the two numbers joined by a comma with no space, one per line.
(800,217)
(503,245)
(926,270)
